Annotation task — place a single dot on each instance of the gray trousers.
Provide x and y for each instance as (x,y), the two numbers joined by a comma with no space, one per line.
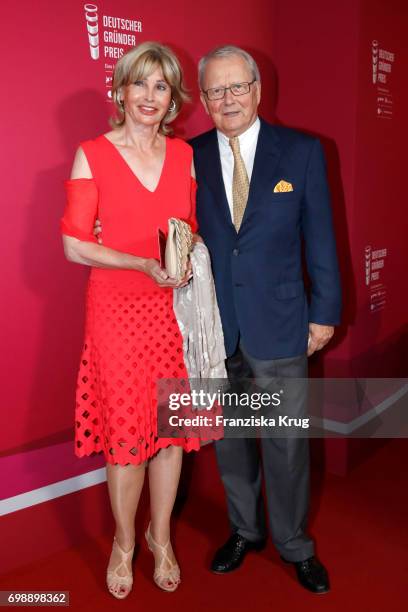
(285,466)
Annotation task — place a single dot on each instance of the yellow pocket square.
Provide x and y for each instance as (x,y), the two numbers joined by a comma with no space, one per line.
(282,186)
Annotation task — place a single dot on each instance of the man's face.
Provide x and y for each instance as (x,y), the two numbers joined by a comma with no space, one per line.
(233,114)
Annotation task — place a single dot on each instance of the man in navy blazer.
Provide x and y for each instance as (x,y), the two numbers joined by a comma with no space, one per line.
(269,325)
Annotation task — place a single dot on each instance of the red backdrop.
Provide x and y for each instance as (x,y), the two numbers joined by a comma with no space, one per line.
(325,68)
(55,95)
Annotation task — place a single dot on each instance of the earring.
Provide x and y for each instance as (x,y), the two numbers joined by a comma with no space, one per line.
(172,106)
(121,104)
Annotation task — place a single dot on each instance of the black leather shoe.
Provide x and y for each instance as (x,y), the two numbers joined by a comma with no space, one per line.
(311,574)
(230,556)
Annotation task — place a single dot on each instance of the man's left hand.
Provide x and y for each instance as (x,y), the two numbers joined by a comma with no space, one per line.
(319,335)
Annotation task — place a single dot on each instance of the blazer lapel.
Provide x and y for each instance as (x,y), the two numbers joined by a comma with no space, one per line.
(213,175)
(267,155)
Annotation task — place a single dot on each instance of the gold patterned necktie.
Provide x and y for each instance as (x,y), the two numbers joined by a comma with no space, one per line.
(240,184)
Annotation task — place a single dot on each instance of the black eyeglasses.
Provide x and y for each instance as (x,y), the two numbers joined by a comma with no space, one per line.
(237,89)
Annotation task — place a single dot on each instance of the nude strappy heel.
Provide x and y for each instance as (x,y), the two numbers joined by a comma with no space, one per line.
(162,576)
(113,577)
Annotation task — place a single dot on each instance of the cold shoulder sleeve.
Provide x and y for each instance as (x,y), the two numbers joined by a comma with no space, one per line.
(80,209)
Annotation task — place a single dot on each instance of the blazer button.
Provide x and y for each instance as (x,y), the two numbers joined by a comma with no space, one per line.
(235,252)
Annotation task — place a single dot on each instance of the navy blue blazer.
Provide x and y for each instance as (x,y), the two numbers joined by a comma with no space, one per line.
(258,271)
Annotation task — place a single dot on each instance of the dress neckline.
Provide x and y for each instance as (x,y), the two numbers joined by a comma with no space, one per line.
(133,173)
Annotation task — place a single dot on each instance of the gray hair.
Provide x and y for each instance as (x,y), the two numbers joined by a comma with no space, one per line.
(227,51)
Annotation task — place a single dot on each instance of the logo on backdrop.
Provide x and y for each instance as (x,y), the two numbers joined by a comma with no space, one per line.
(375,60)
(91,17)
(109,38)
(374,263)
(367,264)
(381,67)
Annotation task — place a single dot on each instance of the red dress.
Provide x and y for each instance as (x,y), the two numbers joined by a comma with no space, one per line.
(131,334)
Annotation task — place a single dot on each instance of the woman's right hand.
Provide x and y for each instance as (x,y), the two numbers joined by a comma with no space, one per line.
(152,268)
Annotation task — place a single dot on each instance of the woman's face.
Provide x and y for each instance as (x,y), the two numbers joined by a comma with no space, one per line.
(147,100)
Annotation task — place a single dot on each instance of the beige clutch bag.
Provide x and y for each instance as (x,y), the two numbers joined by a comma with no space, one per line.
(178,247)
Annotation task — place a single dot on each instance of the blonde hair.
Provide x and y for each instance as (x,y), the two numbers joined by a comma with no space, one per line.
(140,62)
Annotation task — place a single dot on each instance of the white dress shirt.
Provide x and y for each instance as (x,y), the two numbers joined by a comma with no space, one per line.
(247,145)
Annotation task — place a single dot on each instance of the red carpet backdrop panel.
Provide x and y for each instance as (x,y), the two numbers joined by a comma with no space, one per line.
(335,70)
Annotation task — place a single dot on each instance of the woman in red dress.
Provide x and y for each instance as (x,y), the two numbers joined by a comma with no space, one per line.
(133,179)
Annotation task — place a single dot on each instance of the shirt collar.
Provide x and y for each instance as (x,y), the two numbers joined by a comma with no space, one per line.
(245,139)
